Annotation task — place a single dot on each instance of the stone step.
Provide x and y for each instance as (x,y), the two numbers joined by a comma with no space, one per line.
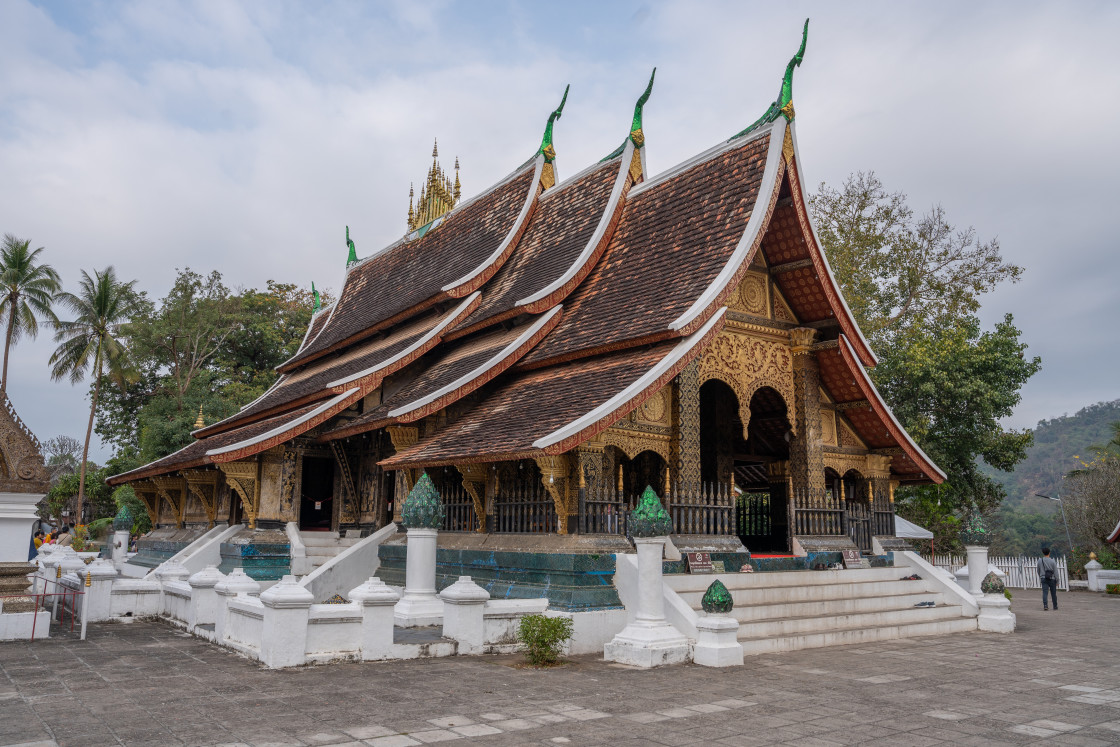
(813,593)
(857,635)
(853,606)
(684,582)
(830,623)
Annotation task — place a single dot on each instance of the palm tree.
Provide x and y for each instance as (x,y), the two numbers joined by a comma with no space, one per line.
(28,290)
(90,342)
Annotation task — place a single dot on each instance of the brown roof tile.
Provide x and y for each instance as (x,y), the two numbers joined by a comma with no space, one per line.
(673,239)
(411,273)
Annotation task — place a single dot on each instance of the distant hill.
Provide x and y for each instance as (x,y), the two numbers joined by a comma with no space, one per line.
(1056,441)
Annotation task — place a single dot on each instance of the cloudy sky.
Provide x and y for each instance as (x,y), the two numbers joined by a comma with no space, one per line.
(243,136)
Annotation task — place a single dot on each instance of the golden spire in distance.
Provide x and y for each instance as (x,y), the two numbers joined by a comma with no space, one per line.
(438,194)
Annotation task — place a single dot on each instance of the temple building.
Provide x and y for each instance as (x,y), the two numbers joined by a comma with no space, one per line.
(549,347)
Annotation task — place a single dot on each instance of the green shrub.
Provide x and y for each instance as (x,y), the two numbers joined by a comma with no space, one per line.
(1007,593)
(544,637)
(1112,588)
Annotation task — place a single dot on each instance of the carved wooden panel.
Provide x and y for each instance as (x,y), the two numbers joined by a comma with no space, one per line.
(747,364)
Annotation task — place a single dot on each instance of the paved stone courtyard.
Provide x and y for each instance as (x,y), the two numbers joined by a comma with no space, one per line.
(1056,680)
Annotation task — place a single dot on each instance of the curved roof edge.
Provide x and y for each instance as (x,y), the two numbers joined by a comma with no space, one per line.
(748,244)
(606,414)
(867,386)
(286,432)
(558,289)
(824,270)
(1115,536)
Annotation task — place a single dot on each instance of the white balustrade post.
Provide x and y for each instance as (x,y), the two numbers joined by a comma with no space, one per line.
(237,582)
(1092,572)
(170,570)
(464,603)
(204,600)
(287,608)
(377,601)
(99,594)
(420,605)
(977,567)
(649,640)
(120,547)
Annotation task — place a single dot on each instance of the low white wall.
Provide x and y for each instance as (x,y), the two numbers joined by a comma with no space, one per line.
(593,629)
(348,569)
(333,631)
(133,597)
(177,599)
(245,624)
(1098,579)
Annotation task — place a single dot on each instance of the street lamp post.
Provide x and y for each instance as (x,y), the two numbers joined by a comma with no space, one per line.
(1064,522)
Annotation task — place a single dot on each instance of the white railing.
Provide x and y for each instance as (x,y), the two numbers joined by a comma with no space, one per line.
(1022,571)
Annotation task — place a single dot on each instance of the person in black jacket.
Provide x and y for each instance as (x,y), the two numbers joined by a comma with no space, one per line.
(1048,575)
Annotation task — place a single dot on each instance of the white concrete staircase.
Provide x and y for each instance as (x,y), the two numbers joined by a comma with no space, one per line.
(322,546)
(789,610)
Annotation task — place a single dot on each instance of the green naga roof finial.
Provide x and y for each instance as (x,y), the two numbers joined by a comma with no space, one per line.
(315,302)
(636,135)
(783,106)
(353,249)
(546,142)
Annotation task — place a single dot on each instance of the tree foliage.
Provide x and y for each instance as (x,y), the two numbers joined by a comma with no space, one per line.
(1092,501)
(914,284)
(29,288)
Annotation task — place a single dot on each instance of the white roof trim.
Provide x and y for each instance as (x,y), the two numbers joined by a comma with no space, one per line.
(863,374)
(481,370)
(699,158)
(824,258)
(433,332)
(286,426)
(600,231)
(636,388)
(754,227)
(514,231)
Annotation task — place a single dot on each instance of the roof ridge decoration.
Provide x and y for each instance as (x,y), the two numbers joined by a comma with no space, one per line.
(316,303)
(636,135)
(353,258)
(548,174)
(783,105)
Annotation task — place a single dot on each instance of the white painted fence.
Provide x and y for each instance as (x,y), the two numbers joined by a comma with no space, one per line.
(1022,571)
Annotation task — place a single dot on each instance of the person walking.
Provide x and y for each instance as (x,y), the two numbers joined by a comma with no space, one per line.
(1048,575)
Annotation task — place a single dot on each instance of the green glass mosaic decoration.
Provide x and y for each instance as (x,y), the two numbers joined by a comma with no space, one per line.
(650,519)
(992,584)
(636,135)
(123,520)
(783,105)
(423,508)
(316,303)
(717,599)
(974,532)
(353,256)
(546,142)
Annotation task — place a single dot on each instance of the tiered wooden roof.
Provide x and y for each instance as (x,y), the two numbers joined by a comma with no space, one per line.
(544,312)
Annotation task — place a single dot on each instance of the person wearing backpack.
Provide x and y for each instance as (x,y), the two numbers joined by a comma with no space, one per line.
(1048,575)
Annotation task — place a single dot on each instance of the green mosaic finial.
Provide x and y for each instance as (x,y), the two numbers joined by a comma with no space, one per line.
(717,599)
(316,304)
(546,142)
(636,134)
(783,106)
(423,508)
(974,532)
(992,584)
(353,249)
(123,520)
(650,519)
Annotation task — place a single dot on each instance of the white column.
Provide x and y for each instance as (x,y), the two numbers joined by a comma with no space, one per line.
(376,600)
(168,571)
(17,514)
(120,547)
(977,567)
(649,640)
(237,582)
(287,608)
(464,604)
(419,606)
(204,600)
(99,601)
(1092,571)
(995,613)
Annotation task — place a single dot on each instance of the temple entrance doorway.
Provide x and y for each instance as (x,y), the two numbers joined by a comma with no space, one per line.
(316,504)
(755,465)
(857,509)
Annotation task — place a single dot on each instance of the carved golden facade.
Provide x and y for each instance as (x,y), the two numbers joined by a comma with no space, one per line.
(438,194)
(746,363)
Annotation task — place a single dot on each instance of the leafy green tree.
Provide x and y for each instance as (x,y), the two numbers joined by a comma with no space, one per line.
(89,342)
(29,289)
(71,490)
(914,284)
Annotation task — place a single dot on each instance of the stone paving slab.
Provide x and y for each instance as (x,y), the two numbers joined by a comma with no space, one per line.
(1056,680)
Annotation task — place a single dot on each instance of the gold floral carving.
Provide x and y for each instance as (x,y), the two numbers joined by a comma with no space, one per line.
(787,144)
(172,490)
(147,494)
(828,427)
(242,479)
(746,364)
(656,408)
(554,477)
(402,437)
(846,437)
(21,461)
(752,294)
(878,467)
(844,463)
(632,443)
(474,482)
(203,485)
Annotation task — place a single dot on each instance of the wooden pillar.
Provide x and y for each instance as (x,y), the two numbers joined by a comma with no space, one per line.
(806,458)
